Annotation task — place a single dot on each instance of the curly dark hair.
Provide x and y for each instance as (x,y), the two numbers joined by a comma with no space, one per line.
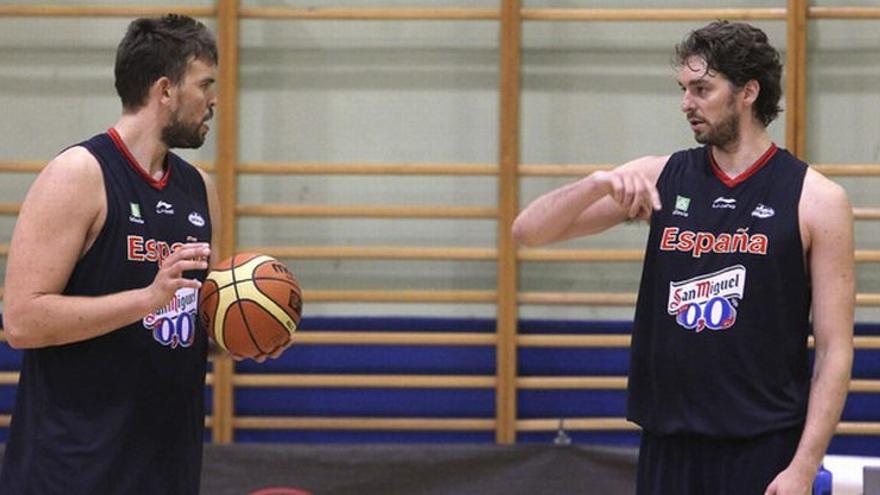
(741,53)
(157,47)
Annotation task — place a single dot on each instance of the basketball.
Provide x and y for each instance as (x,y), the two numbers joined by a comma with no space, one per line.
(250,305)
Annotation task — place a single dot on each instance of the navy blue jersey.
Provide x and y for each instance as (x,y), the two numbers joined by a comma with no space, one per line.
(720,335)
(122,413)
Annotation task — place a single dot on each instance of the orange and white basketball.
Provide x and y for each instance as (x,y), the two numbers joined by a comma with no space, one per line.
(250,305)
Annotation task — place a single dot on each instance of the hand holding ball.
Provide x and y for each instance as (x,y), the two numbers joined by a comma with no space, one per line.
(251,304)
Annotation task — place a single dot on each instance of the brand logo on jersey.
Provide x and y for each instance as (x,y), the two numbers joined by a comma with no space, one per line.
(196,219)
(708,301)
(148,250)
(682,203)
(135,213)
(174,324)
(762,211)
(722,202)
(163,208)
(699,243)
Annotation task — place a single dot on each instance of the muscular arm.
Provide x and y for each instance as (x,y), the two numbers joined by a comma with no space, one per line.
(592,204)
(826,219)
(60,217)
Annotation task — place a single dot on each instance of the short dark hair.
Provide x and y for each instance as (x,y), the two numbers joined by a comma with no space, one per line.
(157,47)
(741,53)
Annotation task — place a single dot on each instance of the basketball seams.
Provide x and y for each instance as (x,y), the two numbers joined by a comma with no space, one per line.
(227,276)
(225,299)
(258,306)
(292,284)
(237,304)
(270,306)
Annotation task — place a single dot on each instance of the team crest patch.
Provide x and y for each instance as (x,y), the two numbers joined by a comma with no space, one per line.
(708,301)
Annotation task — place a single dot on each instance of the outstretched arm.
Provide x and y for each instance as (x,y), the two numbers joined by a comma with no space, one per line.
(592,204)
(826,218)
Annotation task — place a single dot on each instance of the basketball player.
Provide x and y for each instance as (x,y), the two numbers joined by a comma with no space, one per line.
(745,241)
(104,266)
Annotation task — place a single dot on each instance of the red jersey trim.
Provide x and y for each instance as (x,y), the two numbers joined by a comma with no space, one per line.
(752,170)
(133,163)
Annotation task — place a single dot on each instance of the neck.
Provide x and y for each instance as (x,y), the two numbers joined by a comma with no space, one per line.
(736,157)
(143,137)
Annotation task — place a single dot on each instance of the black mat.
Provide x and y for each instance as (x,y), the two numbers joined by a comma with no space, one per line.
(422,469)
(418,469)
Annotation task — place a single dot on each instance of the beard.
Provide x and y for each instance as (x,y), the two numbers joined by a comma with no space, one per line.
(178,134)
(721,134)
(724,132)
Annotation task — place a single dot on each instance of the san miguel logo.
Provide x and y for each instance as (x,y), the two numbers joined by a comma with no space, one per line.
(700,243)
(175,323)
(708,301)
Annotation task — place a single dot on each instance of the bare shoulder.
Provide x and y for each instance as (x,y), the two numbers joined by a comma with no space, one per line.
(822,196)
(825,213)
(76,159)
(67,194)
(75,165)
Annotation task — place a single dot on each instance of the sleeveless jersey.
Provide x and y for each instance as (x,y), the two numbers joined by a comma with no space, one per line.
(122,413)
(719,339)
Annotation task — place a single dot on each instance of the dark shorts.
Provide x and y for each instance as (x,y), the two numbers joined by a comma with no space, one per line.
(699,465)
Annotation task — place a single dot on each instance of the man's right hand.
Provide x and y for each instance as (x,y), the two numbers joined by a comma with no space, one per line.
(632,190)
(169,279)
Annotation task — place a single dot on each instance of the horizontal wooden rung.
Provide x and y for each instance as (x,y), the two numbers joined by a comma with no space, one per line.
(850,13)
(100,11)
(848,169)
(864,385)
(637,14)
(371,13)
(377,252)
(576,424)
(318,168)
(362,381)
(370,211)
(572,382)
(573,341)
(400,296)
(858,428)
(621,424)
(8,378)
(363,423)
(394,338)
(10,208)
(862,213)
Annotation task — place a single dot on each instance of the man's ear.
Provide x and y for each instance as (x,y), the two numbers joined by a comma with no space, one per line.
(751,91)
(163,90)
